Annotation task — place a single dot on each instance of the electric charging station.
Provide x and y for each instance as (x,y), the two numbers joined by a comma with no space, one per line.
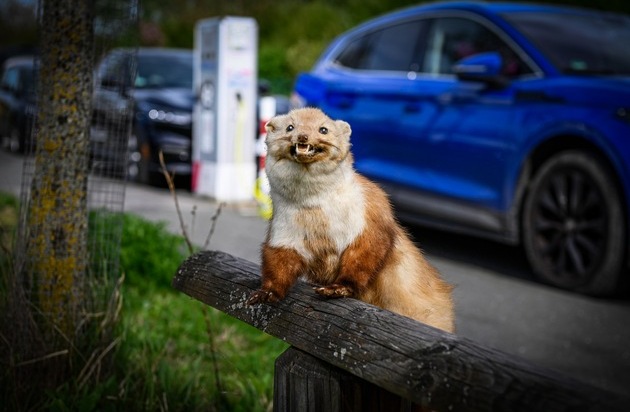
(225,77)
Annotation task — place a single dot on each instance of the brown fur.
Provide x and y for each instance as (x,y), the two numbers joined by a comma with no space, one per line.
(337,229)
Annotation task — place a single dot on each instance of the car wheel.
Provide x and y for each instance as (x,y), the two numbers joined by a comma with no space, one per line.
(573,224)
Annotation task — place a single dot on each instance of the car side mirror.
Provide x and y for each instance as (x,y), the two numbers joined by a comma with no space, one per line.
(483,67)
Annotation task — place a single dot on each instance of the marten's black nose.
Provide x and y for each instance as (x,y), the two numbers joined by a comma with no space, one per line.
(302,138)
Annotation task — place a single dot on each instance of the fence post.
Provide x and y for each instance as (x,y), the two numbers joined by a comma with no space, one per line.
(357,343)
(303,382)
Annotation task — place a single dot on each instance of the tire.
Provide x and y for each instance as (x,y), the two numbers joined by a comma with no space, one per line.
(574,225)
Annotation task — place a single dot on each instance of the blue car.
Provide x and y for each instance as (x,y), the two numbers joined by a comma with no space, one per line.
(507,121)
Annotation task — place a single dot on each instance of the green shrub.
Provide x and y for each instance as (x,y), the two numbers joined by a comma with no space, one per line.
(273,67)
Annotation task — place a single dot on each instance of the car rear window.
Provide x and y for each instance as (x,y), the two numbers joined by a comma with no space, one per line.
(166,70)
(392,48)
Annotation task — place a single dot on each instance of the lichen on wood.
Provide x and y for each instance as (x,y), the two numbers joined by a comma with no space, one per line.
(57,212)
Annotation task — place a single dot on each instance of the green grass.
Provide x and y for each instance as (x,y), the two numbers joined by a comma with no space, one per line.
(175,353)
(165,360)
(166,356)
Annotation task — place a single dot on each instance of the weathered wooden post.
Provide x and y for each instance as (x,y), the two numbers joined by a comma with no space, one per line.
(303,382)
(348,348)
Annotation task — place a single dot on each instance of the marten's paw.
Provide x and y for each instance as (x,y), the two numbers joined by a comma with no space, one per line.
(262,296)
(334,291)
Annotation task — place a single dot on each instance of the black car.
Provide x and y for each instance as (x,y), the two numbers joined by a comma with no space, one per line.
(17,103)
(150,96)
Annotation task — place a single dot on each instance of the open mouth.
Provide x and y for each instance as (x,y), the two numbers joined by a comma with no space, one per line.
(302,149)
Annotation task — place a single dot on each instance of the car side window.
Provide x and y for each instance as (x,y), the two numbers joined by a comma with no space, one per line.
(393,48)
(454,38)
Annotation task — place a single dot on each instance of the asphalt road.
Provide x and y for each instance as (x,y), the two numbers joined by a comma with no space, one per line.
(498,303)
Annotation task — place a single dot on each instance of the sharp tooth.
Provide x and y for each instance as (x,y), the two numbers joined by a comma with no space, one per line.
(302,148)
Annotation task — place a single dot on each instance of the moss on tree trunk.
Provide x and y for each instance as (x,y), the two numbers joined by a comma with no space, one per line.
(58,216)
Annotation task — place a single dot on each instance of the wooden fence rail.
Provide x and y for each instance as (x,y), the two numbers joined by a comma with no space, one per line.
(352,356)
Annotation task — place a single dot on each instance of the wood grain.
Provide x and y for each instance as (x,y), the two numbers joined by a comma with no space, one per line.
(431,368)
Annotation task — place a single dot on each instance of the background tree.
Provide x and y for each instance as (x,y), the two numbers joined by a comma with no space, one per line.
(56,253)
(60,303)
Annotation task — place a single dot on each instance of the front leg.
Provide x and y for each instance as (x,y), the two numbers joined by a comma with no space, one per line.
(280,269)
(359,263)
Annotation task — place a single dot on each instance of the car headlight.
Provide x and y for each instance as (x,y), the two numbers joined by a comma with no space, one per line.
(171,117)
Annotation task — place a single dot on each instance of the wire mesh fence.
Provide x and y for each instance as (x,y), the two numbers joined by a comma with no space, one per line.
(63,293)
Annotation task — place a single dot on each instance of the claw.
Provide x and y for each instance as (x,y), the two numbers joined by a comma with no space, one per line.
(334,291)
(262,296)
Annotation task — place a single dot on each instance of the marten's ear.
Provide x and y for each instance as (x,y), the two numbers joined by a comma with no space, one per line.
(272,125)
(344,129)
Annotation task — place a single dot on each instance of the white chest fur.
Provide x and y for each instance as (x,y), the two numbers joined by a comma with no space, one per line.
(309,205)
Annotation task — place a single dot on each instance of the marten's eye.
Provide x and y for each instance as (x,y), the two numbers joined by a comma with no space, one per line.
(323,130)
(290,127)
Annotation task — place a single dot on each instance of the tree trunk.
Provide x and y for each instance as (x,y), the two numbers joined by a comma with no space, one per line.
(58,216)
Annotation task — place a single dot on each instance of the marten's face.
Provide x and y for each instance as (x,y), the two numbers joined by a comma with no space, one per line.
(307,136)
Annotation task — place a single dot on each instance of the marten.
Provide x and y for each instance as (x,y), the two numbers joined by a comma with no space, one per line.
(336,229)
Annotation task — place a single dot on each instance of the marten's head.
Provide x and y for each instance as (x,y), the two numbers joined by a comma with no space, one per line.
(306,136)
